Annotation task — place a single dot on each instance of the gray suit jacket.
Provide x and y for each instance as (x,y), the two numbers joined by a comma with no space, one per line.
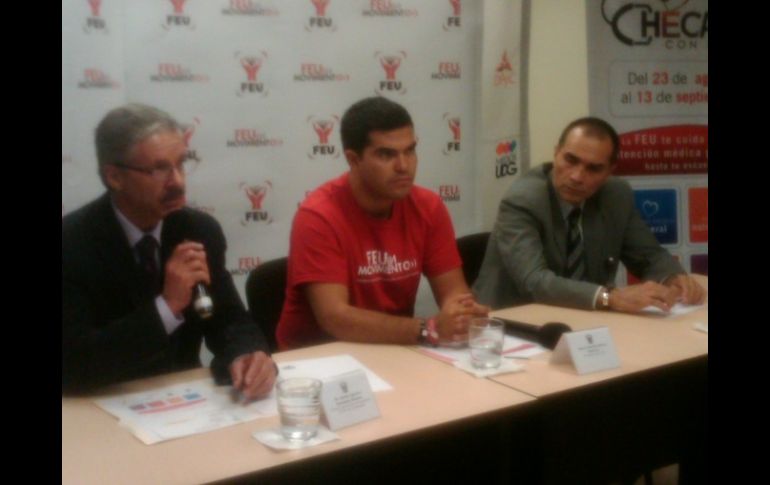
(526,253)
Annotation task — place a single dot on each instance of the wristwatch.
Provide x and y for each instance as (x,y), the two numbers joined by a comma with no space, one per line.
(428,332)
(603,302)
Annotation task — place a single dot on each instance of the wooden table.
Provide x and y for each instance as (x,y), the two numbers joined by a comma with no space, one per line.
(616,424)
(431,403)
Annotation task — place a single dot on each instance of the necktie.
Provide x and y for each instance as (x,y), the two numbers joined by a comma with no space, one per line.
(147,247)
(576,266)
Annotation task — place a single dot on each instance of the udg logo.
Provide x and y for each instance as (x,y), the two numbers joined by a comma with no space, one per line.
(247,7)
(453,122)
(639,22)
(320,21)
(453,22)
(251,65)
(323,128)
(178,17)
(95,23)
(390,64)
(505,164)
(256,195)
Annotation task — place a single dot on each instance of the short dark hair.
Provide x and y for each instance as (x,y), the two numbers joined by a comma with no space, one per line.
(124,127)
(595,127)
(367,115)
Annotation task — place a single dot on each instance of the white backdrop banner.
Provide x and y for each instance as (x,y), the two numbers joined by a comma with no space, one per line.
(648,76)
(261,86)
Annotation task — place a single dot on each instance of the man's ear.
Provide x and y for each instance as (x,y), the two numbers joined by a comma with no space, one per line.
(112,177)
(352,157)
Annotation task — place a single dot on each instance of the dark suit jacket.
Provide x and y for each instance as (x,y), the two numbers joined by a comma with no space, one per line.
(526,254)
(111,329)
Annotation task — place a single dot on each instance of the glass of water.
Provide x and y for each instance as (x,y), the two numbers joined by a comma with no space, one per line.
(299,404)
(485,338)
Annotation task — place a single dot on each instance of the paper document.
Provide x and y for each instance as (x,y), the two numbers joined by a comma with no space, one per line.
(184,409)
(676,310)
(513,347)
(199,406)
(326,368)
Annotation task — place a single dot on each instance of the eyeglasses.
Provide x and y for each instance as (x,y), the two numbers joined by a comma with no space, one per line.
(162,173)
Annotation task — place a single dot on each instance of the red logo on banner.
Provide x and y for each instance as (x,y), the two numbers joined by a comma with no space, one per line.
(251,65)
(310,71)
(247,7)
(94,23)
(173,72)
(505,64)
(95,6)
(188,131)
(699,214)
(245,265)
(390,64)
(320,7)
(504,72)
(320,21)
(453,122)
(323,128)
(676,149)
(454,20)
(178,6)
(178,18)
(455,7)
(387,8)
(96,78)
(256,195)
(447,70)
(449,193)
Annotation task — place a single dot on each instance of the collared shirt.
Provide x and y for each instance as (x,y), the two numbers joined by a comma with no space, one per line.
(170,321)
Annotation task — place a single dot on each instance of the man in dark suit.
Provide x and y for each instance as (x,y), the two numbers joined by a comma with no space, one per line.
(563,227)
(130,262)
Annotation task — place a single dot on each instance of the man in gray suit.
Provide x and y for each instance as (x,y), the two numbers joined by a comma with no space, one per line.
(563,227)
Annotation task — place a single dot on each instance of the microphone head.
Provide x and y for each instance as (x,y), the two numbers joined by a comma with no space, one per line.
(549,333)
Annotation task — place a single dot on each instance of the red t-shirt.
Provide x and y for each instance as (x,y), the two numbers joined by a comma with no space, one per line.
(379,260)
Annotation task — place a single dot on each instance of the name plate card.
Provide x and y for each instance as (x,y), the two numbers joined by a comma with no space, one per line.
(347,400)
(589,350)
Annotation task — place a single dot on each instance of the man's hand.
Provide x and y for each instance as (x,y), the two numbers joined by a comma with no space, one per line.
(454,318)
(634,298)
(253,374)
(186,267)
(688,291)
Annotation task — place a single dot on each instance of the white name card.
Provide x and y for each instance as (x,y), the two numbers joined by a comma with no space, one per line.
(348,399)
(589,350)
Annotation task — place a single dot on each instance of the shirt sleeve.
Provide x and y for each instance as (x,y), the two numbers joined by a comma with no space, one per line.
(441,253)
(316,253)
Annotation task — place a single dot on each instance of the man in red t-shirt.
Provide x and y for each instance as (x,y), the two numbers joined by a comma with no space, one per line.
(360,242)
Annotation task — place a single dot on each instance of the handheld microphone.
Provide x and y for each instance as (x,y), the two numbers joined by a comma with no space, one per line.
(202,302)
(546,335)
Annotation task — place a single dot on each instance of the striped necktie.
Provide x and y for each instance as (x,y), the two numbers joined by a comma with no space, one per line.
(147,247)
(576,266)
